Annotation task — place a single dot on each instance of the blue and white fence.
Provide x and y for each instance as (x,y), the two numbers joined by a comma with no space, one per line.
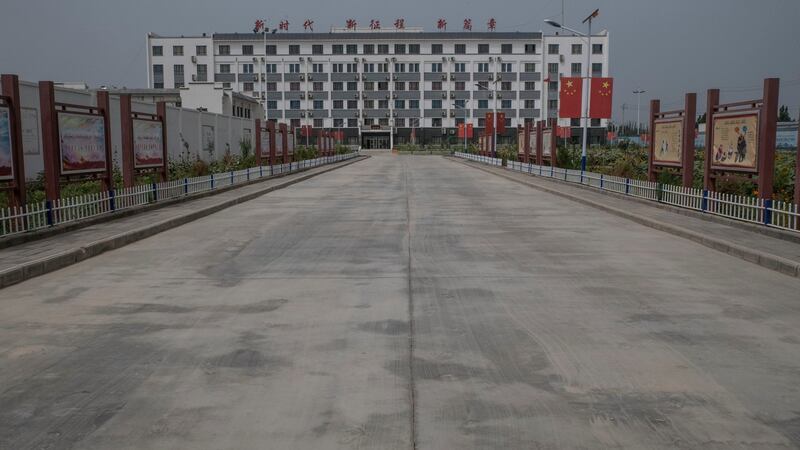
(36,216)
(771,213)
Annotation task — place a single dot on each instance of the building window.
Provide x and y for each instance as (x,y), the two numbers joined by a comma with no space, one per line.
(597,49)
(317,68)
(369,104)
(224,68)
(338,49)
(271,50)
(272,86)
(224,50)
(399,86)
(369,49)
(552,49)
(316,49)
(352,104)
(399,104)
(399,49)
(461,104)
(248,86)
(383,122)
(413,85)
(577,49)
(271,68)
(294,68)
(597,69)
(177,50)
(158,50)
(247,49)
(294,86)
(437,49)
(319,104)
(338,86)
(530,85)
(317,87)
(369,85)
(459,67)
(178,73)
(530,104)
(383,85)
(352,68)
(294,49)
(369,68)
(383,104)
(294,123)
(247,68)
(505,86)
(383,49)
(294,104)
(530,67)
(338,123)
(483,67)
(272,104)
(576,69)
(400,122)
(436,104)
(202,72)
(436,86)
(399,67)
(483,49)
(506,67)
(505,104)
(575,122)
(352,123)
(318,123)
(595,123)
(530,49)
(413,104)
(552,104)
(413,49)
(200,50)
(461,49)
(436,67)
(483,104)
(436,122)
(483,85)
(337,68)
(352,86)
(507,49)
(383,67)
(461,86)
(552,68)
(413,67)
(338,104)
(352,49)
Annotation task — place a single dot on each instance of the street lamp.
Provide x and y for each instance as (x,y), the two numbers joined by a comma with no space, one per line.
(588,83)
(455,105)
(494,109)
(638,93)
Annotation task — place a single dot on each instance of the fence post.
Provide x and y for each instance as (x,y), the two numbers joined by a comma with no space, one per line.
(582,176)
(186,186)
(767,211)
(155,192)
(231,178)
(260,171)
(111,202)
(659,191)
(49,215)
(704,203)
(601,181)
(627,186)
(212,181)
(248,174)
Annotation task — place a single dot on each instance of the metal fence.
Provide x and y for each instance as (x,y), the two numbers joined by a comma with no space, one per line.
(35,216)
(771,213)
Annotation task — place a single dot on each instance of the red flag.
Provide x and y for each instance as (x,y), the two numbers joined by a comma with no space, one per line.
(569,97)
(461,131)
(611,135)
(501,123)
(600,104)
(564,132)
(489,122)
(469,131)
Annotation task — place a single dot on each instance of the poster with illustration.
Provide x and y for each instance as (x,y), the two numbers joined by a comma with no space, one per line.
(6,150)
(279,143)
(264,143)
(31,144)
(668,142)
(521,142)
(82,143)
(735,143)
(290,143)
(148,144)
(208,139)
(532,140)
(547,142)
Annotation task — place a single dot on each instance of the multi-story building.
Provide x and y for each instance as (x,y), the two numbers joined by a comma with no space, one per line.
(384,86)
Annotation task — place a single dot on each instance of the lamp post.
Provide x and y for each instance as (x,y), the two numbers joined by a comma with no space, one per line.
(494,109)
(455,105)
(588,83)
(638,93)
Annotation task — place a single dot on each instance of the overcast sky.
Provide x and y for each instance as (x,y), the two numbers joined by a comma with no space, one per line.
(667,47)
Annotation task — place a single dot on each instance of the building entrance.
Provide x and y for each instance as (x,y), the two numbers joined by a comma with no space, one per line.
(375,141)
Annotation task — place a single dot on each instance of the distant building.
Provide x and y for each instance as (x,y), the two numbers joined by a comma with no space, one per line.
(373,83)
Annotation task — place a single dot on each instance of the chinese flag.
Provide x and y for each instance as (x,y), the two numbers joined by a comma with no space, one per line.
(501,123)
(600,104)
(469,131)
(461,130)
(564,132)
(569,97)
(489,123)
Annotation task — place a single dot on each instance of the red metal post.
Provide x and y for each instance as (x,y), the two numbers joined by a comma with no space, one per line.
(539,149)
(103,104)
(768,128)
(711,104)
(50,147)
(161,112)
(284,143)
(10,89)
(689,121)
(655,108)
(126,122)
(271,134)
(257,150)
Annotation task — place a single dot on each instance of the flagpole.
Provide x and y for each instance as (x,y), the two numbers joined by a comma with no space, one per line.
(586,96)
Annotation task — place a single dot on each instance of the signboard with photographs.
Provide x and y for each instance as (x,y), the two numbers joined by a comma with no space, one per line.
(547,142)
(31,143)
(279,143)
(6,145)
(532,140)
(668,140)
(735,143)
(264,144)
(208,139)
(82,143)
(290,143)
(148,144)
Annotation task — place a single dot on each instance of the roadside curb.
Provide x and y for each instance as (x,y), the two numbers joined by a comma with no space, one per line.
(767,260)
(58,261)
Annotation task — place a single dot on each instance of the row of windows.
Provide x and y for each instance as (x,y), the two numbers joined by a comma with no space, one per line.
(398,104)
(576,69)
(350,49)
(248,68)
(577,49)
(177,50)
(318,86)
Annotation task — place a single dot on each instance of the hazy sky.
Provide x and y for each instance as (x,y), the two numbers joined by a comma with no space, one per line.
(667,47)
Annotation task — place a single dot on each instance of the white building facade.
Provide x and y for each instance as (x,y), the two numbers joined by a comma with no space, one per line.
(409,83)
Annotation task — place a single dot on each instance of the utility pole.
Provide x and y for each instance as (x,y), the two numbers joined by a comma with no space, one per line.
(624,107)
(638,93)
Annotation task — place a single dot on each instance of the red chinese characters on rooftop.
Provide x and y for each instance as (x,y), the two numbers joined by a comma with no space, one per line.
(258,26)
(441,24)
(467,24)
(308,25)
(400,24)
(351,24)
(283,25)
(492,24)
(374,24)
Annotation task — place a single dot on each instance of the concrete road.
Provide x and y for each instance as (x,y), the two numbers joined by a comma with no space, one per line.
(284,323)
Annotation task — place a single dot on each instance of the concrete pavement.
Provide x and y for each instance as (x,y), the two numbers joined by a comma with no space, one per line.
(403,302)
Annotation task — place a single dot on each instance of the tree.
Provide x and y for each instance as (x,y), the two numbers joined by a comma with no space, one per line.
(783,114)
(702,118)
